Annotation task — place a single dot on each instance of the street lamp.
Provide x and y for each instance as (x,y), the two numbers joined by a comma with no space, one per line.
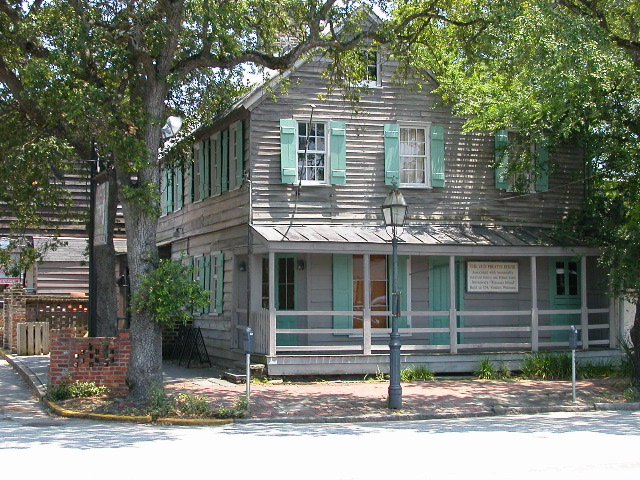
(394,210)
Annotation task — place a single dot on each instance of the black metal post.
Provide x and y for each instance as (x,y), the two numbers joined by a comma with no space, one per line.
(395,390)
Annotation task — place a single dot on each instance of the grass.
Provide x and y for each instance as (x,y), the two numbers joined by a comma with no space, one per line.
(416,372)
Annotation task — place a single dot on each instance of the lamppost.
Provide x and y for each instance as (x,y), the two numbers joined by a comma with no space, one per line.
(394,210)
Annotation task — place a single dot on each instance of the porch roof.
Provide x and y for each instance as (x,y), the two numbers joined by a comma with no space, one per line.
(440,239)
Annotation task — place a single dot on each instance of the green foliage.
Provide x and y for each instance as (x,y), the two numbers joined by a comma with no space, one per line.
(77,389)
(546,366)
(486,370)
(416,372)
(169,294)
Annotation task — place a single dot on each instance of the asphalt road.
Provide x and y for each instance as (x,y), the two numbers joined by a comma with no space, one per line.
(563,446)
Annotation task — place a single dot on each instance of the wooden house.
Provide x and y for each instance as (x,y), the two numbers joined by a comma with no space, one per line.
(280,213)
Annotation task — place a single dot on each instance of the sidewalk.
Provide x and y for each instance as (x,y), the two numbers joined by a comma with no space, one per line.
(347,401)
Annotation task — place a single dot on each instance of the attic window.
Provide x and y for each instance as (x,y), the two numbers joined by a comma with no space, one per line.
(371,61)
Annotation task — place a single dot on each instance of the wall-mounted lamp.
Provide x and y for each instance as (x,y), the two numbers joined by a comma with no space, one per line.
(300,264)
(242,266)
(134,179)
(179,231)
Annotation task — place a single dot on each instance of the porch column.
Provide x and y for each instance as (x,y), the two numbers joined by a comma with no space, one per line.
(272,304)
(584,313)
(616,321)
(453,324)
(534,305)
(366,317)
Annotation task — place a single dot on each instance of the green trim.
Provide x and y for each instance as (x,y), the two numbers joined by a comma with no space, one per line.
(288,151)
(563,302)
(338,153)
(391,154)
(542,169)
(219,275)
(342,289)
(179,187)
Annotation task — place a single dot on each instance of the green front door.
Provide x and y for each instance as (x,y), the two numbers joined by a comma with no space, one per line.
(564,294)
(286,298)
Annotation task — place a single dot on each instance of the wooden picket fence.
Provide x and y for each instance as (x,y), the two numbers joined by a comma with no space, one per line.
(33,338)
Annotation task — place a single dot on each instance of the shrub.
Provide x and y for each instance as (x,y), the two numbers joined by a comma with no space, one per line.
(416,372)
(485,370)
(546,366)
(77,389)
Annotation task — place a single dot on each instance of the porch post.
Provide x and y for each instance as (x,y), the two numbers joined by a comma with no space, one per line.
(453,324)
(584,314)
(616,321)
(534,305)
(272,304)
(366,317)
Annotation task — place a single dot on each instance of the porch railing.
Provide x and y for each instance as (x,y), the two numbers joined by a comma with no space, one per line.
(459,330)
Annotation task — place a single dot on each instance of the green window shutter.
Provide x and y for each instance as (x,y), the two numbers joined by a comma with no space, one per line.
(217,182)
(542,169)
(342,289)
(179,187)
(169,190)
(391,154)
(190,187)
(288,151)
(163,192)
(207,168)
(338,153)
(239,153)
(225,160)
(219,293)
(501,159)
(200,159)
(206,281)
(437,155)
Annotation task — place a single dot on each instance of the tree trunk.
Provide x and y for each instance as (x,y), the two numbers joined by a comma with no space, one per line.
(145,366)
(634,336)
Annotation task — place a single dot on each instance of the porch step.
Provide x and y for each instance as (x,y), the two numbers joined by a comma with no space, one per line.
(257,371)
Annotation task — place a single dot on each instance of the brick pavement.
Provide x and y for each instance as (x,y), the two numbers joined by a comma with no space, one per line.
(459,397)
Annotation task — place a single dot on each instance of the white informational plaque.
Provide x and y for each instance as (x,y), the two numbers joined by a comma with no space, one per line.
(491,277)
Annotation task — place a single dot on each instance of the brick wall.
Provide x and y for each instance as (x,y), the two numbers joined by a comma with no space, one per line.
(14,312)
(103,360)
(58,311)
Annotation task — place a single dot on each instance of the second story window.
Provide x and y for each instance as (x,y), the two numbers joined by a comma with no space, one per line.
(414,161)
(312,152)
(414,155)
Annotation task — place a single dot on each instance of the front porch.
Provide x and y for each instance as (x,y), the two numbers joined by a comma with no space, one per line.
(333,321)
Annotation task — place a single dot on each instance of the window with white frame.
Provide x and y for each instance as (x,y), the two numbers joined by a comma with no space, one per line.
(371,61)
(414,158)
(312,152)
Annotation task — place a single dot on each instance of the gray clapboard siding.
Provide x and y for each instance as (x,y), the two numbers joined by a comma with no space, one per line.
(469,194)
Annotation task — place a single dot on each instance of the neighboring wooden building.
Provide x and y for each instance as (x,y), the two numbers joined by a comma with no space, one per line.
(280,214)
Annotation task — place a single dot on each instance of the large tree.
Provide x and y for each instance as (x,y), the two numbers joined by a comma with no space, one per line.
(77,71)
(554,71)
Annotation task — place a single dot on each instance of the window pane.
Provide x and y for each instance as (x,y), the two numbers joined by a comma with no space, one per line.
(573,278)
